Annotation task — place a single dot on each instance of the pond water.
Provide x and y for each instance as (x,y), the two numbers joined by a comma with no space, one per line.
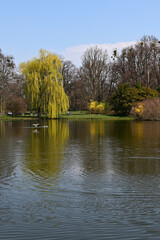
(87,179)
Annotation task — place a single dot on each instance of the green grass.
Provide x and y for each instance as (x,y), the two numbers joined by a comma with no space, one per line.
(71,115)
(86,115)
(6,118)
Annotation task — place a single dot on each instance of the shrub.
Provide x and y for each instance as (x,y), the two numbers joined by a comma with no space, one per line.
(108,108)
(96,107)
(126,96)
(147,93)
(100,108)
(92,106)
(148,109)
(137,110)
(158,89)
(17,104)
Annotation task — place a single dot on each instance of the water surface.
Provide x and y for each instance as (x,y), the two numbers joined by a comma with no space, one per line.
(87,179)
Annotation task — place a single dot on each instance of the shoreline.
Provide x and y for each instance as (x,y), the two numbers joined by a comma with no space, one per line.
(73,116)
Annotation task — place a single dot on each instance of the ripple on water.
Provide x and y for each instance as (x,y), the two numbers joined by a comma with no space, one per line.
(88,180)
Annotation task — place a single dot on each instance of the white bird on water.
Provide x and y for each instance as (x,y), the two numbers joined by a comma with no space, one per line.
(35,125)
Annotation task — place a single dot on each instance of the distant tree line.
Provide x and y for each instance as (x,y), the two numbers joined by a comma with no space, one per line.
(129,76)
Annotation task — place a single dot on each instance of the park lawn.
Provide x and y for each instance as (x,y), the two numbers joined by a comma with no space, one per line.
(10,118)
(72,115)
(85,115)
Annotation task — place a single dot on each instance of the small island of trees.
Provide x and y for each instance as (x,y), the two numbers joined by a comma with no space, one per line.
(126,84)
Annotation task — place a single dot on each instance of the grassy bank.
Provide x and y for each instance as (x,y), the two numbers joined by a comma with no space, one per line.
(86,115)
(71,115)
(10,118)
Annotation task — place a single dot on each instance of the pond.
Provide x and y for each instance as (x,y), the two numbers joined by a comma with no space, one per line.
(87,179)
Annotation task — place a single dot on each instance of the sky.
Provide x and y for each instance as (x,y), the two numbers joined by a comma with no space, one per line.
(69,27)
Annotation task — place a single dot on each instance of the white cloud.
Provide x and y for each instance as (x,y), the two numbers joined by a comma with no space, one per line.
(75,53)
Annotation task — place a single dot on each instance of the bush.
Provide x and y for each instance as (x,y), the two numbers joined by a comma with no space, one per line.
(92,106)
(98,108)
(158,89)
(148,109)
(147,93)
(17,104)
(137,110)
(126,96)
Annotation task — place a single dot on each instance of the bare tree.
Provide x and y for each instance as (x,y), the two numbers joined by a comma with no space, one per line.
(7,68)
(78,97)
(94,72)
(73,86)
(138,64)
(16,104)
(69,73)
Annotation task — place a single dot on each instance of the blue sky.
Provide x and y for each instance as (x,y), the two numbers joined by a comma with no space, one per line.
(68,27)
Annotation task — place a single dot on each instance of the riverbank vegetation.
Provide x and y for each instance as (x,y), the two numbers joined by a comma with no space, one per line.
(124,84)
(86,115)
(72,115)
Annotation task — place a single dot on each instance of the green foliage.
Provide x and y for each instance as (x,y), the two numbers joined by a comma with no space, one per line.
(158,89)
(147,92)
(44,84)
(107,107)
(125,96)
(123,99)
(138,86)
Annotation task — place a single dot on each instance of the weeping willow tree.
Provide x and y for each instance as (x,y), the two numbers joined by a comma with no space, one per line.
(44,84)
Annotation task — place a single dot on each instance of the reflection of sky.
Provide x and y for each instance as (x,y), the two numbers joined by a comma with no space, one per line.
(11,148)
(94,147)
(100,182)
(82,163)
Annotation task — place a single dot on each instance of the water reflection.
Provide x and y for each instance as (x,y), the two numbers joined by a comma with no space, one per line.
(45,148)
(80,180)
(93,158)
(97,129)
(94,146)
(131,147)
(12,135)
(139,149)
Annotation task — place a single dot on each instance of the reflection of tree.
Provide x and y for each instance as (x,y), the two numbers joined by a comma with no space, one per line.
(146,130)
(15,129)
(137,149)
(97,129)
(45,149)
(11,135)
(93,160)
(138,130)
(130,147)
(2,129)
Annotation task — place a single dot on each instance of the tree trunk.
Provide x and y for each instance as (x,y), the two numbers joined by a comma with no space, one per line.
(1,106)
(39,113)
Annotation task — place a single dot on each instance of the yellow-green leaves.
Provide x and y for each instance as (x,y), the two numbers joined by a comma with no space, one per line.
(96,107)
(44,84)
